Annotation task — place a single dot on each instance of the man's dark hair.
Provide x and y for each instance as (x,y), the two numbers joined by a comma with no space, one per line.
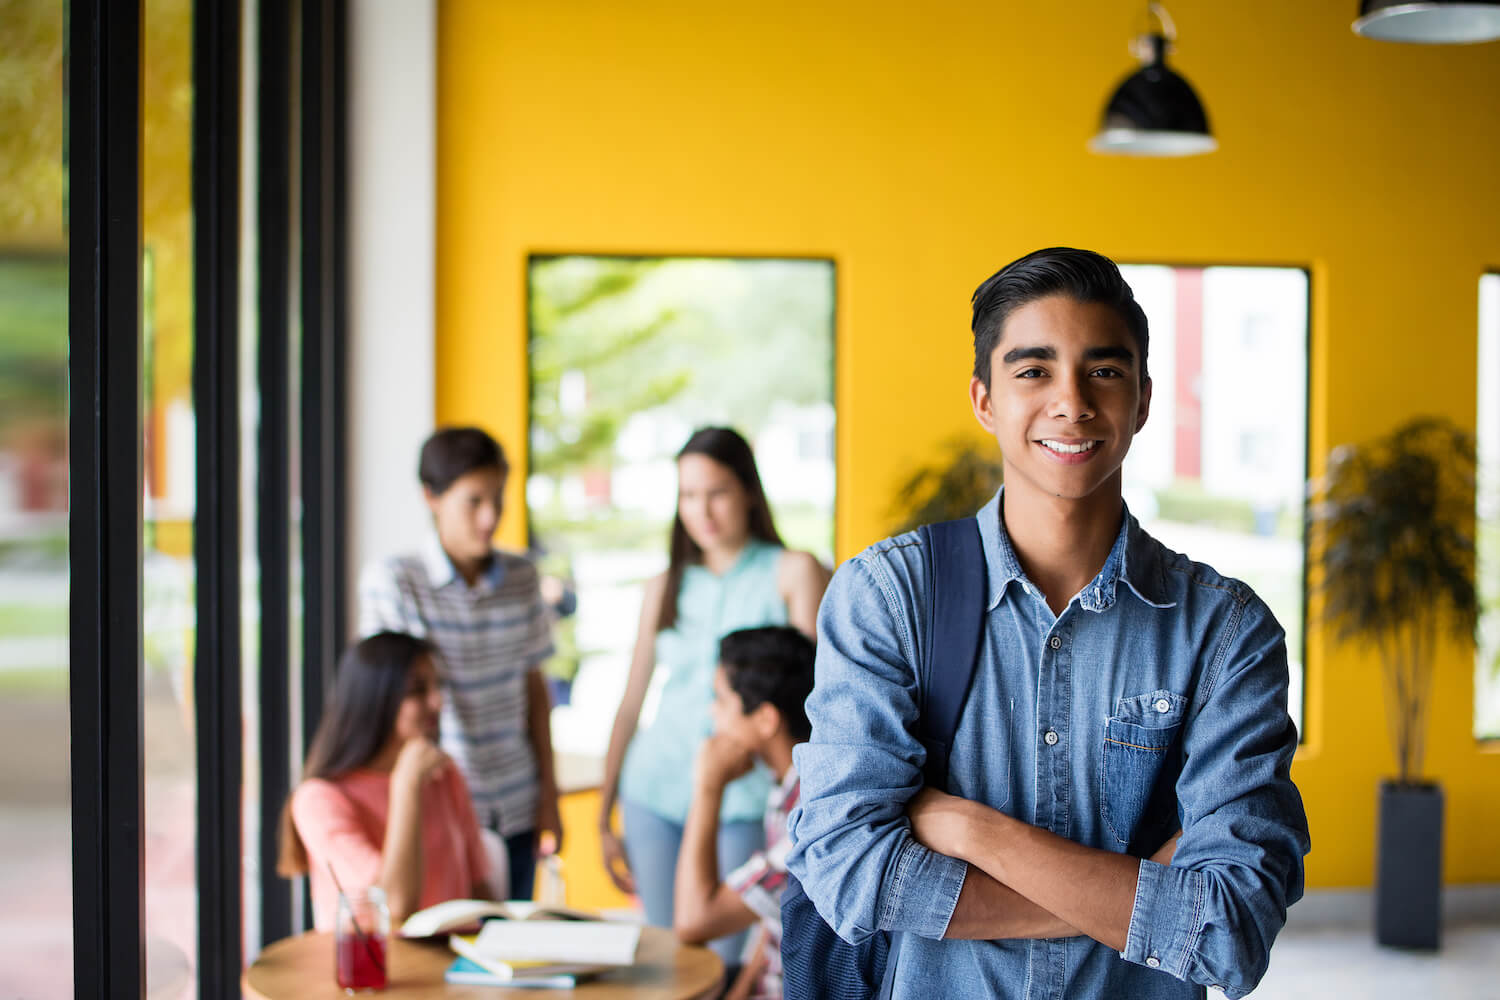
(1082,275)
(453,452)
(773,664)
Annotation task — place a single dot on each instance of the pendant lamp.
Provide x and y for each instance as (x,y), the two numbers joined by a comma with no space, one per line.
(1154,111)
(1434,22)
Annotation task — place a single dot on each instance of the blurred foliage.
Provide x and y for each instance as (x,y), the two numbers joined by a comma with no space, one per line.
(1392,557)
(1187,502)
(570,333)
(32,124)
(33,341)
(708,340)
(962,478)
(166,193)
(34,268)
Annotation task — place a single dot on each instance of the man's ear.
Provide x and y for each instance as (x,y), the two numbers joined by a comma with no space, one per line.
(766,719)
(431,498)
(983,404)
(1144,410)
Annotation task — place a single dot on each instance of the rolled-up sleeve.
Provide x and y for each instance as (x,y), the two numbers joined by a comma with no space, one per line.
(852,847)
(1211,916)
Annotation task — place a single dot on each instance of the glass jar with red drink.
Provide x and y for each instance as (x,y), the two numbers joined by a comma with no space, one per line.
(359,940)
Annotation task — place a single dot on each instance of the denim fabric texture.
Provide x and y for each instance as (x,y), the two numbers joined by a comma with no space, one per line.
(1157,699)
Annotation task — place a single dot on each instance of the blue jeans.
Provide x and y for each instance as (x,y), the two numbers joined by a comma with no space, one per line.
(651,845)
(520,848)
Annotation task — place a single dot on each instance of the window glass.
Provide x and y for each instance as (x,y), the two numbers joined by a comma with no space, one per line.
(249,456)
(36,873)
(628,357)
(169,455)
(1487,662)
(1219,471)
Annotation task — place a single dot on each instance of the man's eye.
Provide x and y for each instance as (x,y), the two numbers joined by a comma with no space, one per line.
(1030,373)
(1106,373)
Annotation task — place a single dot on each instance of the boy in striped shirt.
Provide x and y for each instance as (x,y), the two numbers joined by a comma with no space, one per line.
(483,609)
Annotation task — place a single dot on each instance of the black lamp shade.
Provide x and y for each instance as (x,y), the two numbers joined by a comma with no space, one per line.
(1154,112)
(1433,22)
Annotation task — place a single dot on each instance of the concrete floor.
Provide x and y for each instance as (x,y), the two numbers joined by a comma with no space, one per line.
(1328,950)
(1344,963)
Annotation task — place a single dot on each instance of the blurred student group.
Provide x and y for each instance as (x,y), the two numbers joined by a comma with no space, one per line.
(665,454)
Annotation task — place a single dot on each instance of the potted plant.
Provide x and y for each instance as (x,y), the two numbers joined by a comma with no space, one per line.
(962,479)
(1392,538)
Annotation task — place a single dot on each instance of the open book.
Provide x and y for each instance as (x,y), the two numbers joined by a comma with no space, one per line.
(455,914)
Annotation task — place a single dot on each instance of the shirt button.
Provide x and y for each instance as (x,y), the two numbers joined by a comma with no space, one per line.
(1050,738)
(1163,705)
(1153,962)
(1055,642)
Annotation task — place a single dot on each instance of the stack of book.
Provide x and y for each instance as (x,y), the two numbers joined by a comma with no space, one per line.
(521,944)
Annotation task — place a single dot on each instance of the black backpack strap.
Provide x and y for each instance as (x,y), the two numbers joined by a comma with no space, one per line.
(955,626)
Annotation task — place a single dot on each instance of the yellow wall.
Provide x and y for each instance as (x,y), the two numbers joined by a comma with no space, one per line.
(922,146)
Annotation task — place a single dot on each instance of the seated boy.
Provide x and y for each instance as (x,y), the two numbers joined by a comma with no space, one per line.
(764,676)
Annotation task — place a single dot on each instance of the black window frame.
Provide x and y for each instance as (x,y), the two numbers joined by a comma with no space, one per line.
(102,80)
(105,548)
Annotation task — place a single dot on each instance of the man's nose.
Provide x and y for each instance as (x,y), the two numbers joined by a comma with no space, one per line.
(488,518)
(1071,400)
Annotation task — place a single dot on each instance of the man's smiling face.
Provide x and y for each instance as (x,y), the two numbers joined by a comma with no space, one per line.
(1065,397)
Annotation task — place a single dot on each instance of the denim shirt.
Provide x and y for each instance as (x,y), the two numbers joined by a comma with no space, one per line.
(1157,699)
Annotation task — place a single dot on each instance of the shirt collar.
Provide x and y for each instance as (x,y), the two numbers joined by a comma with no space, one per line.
(1132,559)
(442,572)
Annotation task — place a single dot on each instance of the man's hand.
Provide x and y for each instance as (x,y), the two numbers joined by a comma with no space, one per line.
(548,820)
(939,821)
(720,760)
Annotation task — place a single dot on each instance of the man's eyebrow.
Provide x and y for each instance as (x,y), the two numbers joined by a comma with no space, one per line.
(1029,354)
(1109,354)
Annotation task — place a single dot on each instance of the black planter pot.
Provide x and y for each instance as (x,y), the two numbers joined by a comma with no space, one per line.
(1409,868)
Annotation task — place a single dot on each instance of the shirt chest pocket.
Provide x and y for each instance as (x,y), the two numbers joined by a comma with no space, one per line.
(1138,776)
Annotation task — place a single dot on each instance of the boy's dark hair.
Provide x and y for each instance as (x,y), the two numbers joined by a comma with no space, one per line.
(453,452)
(1082,275)
(773,664)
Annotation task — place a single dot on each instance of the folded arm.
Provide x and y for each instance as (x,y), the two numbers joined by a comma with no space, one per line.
(989,908)
(1207,905)
(853,850)
(1211,917)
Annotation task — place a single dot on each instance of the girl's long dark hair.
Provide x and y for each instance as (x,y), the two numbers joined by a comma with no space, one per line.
(725,446)
(373,679)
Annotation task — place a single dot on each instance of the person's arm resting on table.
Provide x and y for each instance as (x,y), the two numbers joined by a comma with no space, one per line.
(853,848)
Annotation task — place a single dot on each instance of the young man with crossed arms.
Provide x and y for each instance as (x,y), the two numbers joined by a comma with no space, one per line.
(1124,698)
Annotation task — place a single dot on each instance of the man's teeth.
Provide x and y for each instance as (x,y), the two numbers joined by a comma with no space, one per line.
(1069,449)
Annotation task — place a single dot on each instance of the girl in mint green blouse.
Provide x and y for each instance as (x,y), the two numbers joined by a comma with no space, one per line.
(728,570)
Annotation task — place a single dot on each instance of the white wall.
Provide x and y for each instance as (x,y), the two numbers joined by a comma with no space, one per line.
(392,200)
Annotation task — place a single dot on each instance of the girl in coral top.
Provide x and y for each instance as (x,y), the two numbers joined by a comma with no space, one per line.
(378,801)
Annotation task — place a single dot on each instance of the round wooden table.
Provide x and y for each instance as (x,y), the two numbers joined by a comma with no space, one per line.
(301,968)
